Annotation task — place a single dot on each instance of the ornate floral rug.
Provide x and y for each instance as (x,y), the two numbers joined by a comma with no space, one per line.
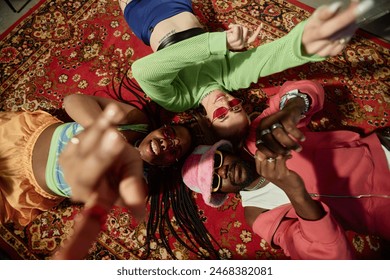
(81,46)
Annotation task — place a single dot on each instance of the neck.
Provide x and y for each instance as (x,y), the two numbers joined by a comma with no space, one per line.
(257,184)
(206,98)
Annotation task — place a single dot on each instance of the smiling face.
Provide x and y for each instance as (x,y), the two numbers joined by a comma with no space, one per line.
(166,145)
(226,114)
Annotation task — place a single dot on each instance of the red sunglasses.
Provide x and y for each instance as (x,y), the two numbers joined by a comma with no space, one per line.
(169,134)
(222,112)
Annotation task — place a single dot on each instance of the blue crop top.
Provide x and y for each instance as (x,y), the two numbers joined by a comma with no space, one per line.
(61,137)
(54,174)
(143,15)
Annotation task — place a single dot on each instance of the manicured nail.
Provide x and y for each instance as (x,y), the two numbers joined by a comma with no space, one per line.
(298,149)
(75,140)
(334,7)
(364,7)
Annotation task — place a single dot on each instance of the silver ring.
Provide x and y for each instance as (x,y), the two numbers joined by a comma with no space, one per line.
(75,140)
(270,159)
(265,131)
(276,125)
(259,142)
(342,41)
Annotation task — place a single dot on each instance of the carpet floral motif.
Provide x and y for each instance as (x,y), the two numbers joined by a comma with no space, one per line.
(83,46)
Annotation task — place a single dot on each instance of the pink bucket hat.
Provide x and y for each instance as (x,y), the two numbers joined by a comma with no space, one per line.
(198,171)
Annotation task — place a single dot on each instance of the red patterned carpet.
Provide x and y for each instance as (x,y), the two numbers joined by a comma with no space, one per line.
(81,46)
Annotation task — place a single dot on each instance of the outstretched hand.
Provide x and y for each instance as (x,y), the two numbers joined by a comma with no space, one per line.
(328,29)
(101,167)
(239,37)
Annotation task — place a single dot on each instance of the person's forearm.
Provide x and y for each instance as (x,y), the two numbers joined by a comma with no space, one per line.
(82,109)
(87,227)
(267,59)
(85,233)
(305,206)
(85,109)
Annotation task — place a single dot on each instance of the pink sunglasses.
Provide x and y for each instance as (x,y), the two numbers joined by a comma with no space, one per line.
(222,112)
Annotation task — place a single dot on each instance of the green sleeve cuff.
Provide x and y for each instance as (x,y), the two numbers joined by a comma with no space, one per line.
(217,43)
(299,52)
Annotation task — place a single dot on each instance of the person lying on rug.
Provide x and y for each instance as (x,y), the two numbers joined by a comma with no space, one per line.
(72,156)
(30,143)
(119,176)
(163,181)
(115,170)
(298,205)
(188,72)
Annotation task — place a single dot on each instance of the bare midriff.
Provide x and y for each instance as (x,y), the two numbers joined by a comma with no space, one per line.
(169,26)
(40,155)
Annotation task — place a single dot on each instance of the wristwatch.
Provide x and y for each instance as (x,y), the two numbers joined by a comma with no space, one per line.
(293,94)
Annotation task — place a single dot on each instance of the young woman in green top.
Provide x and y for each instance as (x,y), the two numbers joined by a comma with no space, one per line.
(200,70)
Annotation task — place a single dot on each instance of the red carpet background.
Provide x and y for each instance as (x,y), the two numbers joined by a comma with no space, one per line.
(81,46)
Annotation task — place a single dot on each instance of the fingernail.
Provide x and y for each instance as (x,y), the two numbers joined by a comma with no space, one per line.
(363,7)
(334,7)
(75,140)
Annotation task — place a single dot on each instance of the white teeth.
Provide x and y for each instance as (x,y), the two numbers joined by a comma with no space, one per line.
(154,147)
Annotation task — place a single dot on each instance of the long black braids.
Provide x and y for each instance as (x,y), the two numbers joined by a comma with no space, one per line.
(173,212)
(187,217)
